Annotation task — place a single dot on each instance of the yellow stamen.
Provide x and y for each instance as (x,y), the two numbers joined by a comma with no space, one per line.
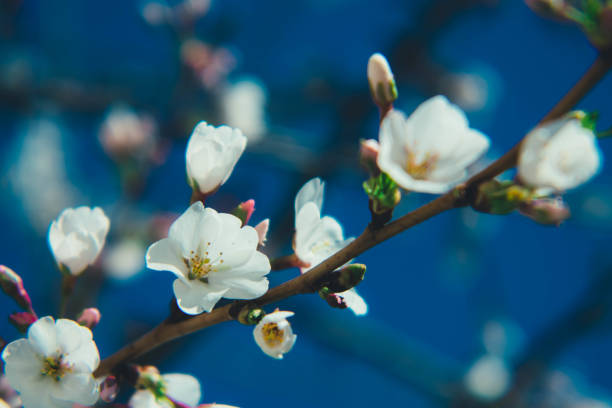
(420,171)
(54,368)
(272,335)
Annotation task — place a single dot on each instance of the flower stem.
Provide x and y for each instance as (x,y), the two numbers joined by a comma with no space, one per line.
(68,282)
(309,281)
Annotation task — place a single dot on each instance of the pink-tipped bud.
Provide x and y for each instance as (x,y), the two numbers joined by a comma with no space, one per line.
(12,285)
(382,83)
(262,231)
(368,154)
(22,320)
(546,211)
(89,317)
(336,301)
(109,389)
(244,211)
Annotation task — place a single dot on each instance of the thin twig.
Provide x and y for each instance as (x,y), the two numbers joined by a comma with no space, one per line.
(307,283)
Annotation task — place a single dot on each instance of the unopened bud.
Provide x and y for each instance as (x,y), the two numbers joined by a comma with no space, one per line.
(499,197)
(346,278)
(332,299)
(368,153)
(89,317)
(22,320)
(250,317)
(262,231)
(546,211)
(244,211)
(383,192)
(549,8)
(382,83)
(109,389)
(12,285)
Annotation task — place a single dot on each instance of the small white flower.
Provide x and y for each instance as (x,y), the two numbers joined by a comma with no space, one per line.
(559,155)
(124,132)
(161,391)
(430,150)
(212,257)
(243,106)
(317,238)
(212,154)
(77,237)
(53,367)
(273,334)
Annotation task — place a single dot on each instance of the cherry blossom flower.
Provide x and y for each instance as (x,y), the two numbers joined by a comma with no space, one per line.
(212,257)
(77,237)
(53,366)
(317,238)
(559,155)
(430,150)
(212,153)
(163,391)
(273,334)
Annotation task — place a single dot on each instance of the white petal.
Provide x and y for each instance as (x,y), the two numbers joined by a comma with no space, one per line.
(166,255)
(196,297)
(145,399)
(313,192)
(185,230)
(80,388)
(183,388)
(355,302)
(42,336)
(22,363)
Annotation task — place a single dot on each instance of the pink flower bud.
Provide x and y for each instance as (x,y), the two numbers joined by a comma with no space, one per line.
(262,231)
(89,317)
(109,389)
(12,285)
(547,211)
(244,211)
(382,84)
(368,154)
(336,301)
(22,320)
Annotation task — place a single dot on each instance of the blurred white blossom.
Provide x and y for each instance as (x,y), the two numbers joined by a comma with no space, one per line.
(488,378)
(212,153)
(212,257)
(243,106)
(123,132)
(53,366)
(38,176)
(317,238)
(430,150)
(163,391)
(559,155)
(77,237)
(124,259)
(273,334)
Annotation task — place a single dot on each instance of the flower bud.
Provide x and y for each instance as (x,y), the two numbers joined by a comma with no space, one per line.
(273,334)
(499,197)
(244,211)
(250,317)
(382,84)
(346,278)
(368,153)
(262,231)
(89,317)
(383,192)
(22,320)
(333,299)
(549,8)
(109,389)
(12,285)
(547,211)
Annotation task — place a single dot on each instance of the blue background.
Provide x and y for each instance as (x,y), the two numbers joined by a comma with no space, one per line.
(430,290)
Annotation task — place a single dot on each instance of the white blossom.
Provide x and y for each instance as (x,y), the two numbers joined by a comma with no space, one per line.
(212,153)
(124,132)
(559,155)
(243,106)
(160,391)
(273,334)
(212,257)
(317,238)
(53,366)
(77,237)
(488,378)
(430,150)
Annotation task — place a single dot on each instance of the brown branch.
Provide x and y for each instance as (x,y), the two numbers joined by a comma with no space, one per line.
(308,282)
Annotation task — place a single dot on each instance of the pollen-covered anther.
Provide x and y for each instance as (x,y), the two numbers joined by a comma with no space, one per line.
(272,335)
(54,367)
(419,170)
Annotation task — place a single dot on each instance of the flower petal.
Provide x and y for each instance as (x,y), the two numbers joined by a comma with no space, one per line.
(196,297)
(313,192)
(165,255)
(183,388)
(42,336)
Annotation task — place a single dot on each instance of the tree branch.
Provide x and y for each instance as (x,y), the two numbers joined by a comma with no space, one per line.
(308,282)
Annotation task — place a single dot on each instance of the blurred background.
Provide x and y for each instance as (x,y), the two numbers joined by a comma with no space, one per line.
(97,100)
